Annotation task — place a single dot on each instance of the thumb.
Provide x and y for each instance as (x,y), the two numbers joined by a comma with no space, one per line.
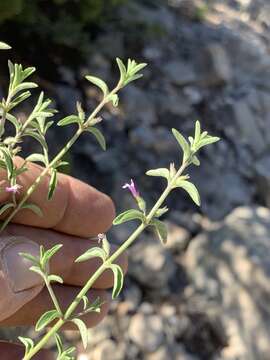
(18,284)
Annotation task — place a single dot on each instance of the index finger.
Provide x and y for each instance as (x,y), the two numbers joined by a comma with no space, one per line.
(76,208)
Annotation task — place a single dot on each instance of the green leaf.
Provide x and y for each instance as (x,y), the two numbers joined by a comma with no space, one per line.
(55,278)
(183,143)
(161,230)
(114,98)
(40,138)
(129,215)
(83,331)
(208,140)
(99,83)
(33,207)
(71,119)
(85,302)
(106,246)
(4,46)
(46,319)
(122,69)
(36,158)
(118,280)
(48,254)
(92,253)
(14,121)
(159,172)
(20,98)
(8,162)
(161,211)
(37,270)
(197,132)
(5,207)
(24,86)
(30,257)
(28,343)
(190,189)
(59,343)
(196,161)
(53,184)
(98,135)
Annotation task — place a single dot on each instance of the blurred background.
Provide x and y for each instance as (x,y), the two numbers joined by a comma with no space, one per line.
(206,294)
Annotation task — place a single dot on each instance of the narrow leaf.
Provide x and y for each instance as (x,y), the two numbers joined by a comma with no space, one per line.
(5,207)
(83,331)
(161,230)
(53,184)
(159,172)
(28,343)
(183,143)
(128,215)
(118,280)
(30,257)
(92,253)
(71,119)
(46,319)
(55,278)
(99,83)
(48,254)
(36,158)
(99,136)
(122,69)
(4,46)
(190,189)
(33,208)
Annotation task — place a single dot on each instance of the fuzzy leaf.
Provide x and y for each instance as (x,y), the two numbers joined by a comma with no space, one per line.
(28,343)
(8,162)
(83,331)
(183,143)
(33,207)
(122,69)
(161,230)
(128,215)
(4,46)
(46,319)
(159,172)
(37,270)
(99,83)
(92,253)
(190,189)
(36,158)
(48,254)
(118,280)
(30,257)
(99,136)
(55,278)
(106,246)
(5,207)
(196,161)
(71,119)
(53,184)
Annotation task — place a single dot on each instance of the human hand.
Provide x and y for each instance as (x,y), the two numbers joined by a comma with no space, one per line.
(76,213)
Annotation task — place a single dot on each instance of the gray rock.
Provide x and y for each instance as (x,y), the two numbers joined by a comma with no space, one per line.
(178,238)
(246,123)
(138,106)
(215,66)
(151,265)
(146,331)
(162,353)
(179,73)
(108,349)
(231,267)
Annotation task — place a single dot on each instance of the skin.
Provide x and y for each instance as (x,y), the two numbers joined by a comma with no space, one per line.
(74,217)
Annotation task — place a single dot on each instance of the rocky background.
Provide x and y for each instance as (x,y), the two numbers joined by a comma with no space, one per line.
(206,295)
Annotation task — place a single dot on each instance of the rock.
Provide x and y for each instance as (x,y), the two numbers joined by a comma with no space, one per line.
(262,168)
(138,106)
(162,353)
(179,73)
(178,238)
(179,353)
(146,331)
(67,98)
(108,350)
(231,267)
(151,265)
(215,66)
(246,123)
(175,103)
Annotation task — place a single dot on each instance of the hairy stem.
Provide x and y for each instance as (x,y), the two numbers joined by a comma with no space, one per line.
(69,312)
(57,158)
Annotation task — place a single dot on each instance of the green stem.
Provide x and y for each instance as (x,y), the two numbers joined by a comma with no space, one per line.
(72,307)
(53,297)
(57,158)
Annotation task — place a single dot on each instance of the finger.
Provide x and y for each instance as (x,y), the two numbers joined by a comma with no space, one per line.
(18,284)
(10,351)
(62,262)
(76,208)
(31,312)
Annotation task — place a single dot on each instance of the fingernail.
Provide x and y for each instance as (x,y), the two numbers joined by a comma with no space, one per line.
(16,268)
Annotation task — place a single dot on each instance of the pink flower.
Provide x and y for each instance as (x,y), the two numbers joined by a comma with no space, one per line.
(13,189)
(132,188)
